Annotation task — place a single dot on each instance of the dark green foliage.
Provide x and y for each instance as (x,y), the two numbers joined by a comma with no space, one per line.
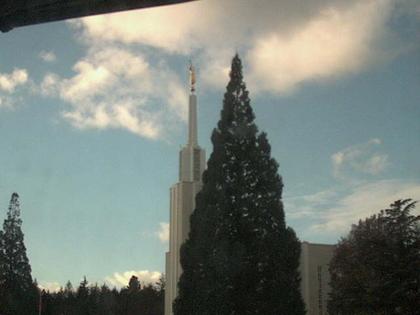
(376,268)
(18,293)
(240,257)
(82,298)
(95,300)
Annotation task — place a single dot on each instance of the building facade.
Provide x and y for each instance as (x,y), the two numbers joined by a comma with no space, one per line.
(315,277)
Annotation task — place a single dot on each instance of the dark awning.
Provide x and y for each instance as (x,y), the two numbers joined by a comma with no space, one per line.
(15,13)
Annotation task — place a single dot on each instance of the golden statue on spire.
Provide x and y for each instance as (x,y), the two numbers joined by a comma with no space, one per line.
(192,77)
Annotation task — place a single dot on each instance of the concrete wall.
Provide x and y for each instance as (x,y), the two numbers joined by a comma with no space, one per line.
(314,263)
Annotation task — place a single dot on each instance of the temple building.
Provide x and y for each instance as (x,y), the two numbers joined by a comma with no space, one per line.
(192,159)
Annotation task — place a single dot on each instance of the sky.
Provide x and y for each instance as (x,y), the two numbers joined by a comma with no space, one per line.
(93,114)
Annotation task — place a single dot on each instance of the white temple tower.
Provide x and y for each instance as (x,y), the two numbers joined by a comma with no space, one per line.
(192,160)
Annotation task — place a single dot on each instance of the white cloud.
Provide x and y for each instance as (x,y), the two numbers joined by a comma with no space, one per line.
(364,201)
(50,286)
(47,56)
(337,41)
(286,42)
(121,279)
(118,279)
(360,158)
(5,101)
(123,83)
(308,206)
(8,82)
(117,88)
(327,215)
(163,232)
(50,84)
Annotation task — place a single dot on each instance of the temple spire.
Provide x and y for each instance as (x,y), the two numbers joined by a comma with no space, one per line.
(192,110)
(192,162)
(192,78)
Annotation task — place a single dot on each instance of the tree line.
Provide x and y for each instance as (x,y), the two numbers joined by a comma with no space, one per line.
(20,294)
(87,299)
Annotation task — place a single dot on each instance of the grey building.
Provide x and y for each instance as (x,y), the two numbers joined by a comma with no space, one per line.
(315,277)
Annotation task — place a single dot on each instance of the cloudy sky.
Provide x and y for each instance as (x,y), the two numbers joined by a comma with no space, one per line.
(93,112)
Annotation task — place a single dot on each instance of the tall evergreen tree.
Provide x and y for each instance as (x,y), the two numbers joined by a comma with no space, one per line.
(18,293)
(240,257)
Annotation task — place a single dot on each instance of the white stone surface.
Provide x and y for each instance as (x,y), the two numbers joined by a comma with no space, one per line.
(315,277)
(192,161)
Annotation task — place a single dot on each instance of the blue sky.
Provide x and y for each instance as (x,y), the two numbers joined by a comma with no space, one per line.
(93,113)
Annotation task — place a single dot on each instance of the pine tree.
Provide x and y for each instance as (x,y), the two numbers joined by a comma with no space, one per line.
(240,257)
(18,292)
(133,295)
(82,297)
(134,284)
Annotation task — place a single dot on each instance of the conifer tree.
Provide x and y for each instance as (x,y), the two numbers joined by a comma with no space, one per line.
(82,297)
(18,293)
(134,284)
(240,257)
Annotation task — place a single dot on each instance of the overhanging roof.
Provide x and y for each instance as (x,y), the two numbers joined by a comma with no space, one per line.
(15,13)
